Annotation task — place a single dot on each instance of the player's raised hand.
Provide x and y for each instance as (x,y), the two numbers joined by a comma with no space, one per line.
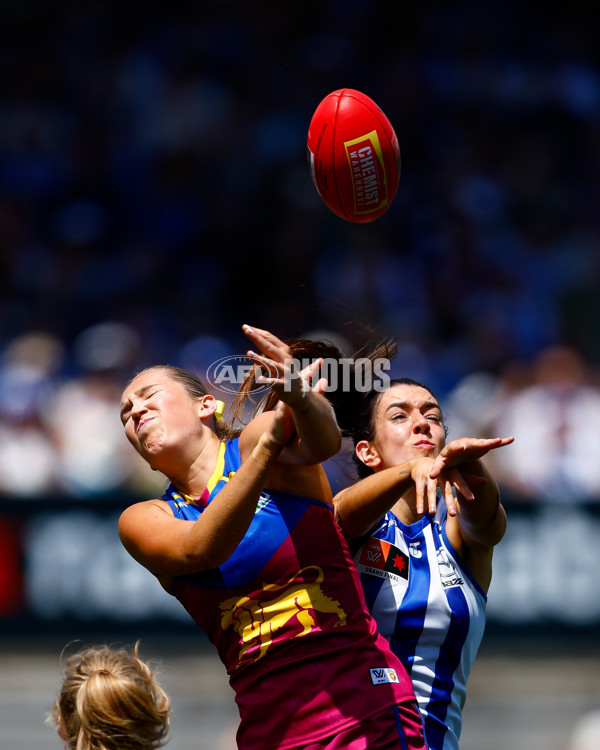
(280,370)
(464,450)
(426,485)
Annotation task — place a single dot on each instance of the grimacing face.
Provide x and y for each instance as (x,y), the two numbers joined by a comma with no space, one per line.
(408,424)
(158,414)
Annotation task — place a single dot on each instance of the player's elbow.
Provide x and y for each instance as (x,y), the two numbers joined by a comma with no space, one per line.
(350,523)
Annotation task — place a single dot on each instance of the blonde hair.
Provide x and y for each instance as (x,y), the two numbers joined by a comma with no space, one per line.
(110,699)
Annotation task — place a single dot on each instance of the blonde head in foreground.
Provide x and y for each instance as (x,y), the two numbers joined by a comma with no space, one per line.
(110,699)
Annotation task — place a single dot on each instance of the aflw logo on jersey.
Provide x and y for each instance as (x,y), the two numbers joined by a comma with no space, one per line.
(383,675)
(379,558)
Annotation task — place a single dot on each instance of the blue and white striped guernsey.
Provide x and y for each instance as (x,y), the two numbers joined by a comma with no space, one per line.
(432,612)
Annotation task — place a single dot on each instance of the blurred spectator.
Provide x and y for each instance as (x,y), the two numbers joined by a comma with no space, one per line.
(84,415)
(586,732)
(29,372)
(31,364)
(555,424)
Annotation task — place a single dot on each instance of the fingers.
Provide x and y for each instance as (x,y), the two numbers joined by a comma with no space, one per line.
(320,386)
(267,342)
(311,369)
(279,369)
(277,364)
(449,498)
(308,375)
(458,481)
(271,371)
(464,450)
(260,334)
(488,444)
(289,386)
(453,483)
(439,465)
(425,490)
(420,482)
(432,486)
(448,481)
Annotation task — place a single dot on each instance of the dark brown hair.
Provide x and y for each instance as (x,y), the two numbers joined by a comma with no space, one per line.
(364,419)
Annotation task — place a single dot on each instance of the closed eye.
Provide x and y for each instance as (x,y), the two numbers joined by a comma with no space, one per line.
(145,394)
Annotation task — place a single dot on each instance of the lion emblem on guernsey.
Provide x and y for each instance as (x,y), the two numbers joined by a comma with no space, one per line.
(257,620)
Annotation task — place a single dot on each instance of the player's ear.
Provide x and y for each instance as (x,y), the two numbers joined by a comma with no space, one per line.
(367,454)
(207,405)
(61,729)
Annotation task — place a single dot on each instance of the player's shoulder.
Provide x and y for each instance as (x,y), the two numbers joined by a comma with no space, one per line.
(143,509)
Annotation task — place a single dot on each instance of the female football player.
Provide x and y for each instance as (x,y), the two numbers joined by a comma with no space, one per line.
(425,560)
(244,536)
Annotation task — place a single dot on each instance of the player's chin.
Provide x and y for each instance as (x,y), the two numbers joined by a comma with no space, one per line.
(149,447)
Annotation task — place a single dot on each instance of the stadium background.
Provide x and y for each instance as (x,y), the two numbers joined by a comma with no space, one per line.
(154,195)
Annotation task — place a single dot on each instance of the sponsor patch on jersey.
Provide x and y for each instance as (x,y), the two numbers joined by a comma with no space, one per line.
(383,676)
(414,549)
(379,558)
(449,574)
(263,500)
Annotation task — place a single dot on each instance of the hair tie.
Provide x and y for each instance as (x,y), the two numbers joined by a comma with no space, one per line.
(100,671)
(220,408)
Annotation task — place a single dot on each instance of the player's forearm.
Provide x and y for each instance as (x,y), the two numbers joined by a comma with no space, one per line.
(221,527)
(319,436)
(359,508)
(482,520)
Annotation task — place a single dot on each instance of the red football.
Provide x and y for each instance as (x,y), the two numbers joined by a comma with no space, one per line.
(354,156)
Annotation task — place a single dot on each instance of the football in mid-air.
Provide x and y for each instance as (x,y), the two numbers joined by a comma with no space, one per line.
(354,156)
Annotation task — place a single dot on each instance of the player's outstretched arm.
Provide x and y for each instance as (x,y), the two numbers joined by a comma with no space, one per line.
(170,546)
(361,506)
(481,518)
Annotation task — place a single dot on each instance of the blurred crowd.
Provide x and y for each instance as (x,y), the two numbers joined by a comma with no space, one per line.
(60,433)
(155,195)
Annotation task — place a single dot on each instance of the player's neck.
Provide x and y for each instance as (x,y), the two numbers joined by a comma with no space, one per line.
(192,478)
